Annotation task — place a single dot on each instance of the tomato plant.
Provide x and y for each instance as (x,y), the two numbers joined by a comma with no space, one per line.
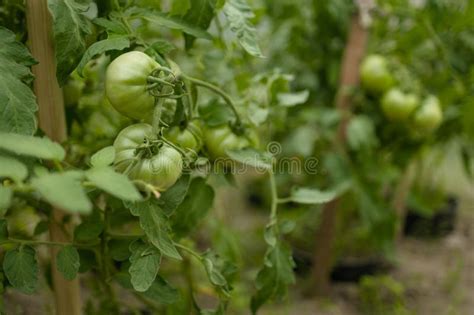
(111,142)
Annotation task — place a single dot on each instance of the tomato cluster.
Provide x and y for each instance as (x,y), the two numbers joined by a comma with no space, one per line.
(397,105)
(136,85)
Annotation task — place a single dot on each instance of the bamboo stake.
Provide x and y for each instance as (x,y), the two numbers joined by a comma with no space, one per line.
(349,77)
(52,122)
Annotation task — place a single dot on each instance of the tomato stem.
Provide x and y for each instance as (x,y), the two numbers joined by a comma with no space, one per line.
(159,80)
(218,91)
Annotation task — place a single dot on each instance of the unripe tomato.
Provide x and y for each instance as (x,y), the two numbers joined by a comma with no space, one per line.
(398,106)
(126,82)
(375,74)
(189,137)
(429,116)
(157,164)
(22,221)
(220,139)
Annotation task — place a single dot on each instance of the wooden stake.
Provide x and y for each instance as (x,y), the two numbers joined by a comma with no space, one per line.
(52,122)
(349,78)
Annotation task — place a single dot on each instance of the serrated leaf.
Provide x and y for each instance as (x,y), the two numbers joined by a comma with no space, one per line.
(103,157)
(112,26)
(17,101)
(200,15)
(163,47)
(114,183)
(5,199)
(274,278)
(239,13)
(194,207)
(63,191)
(12,168)
(184,25)
(160,290)
(145,263)
(100,47)
(174,196)
(252,157)
(292,99)
(90,228)
(67,262)
(70,27)
(42,148)
(156,226)
(21,268)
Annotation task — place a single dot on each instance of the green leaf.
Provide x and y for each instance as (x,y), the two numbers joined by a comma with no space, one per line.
(90,228)
(239,14)
(215,113)
(180,7)
(311,196)
(21,268)
(156,226)
(42,148)
(184,25)
(67,262)
(315,196)
(12,168)
(361,133)
(17,101)
(3,230)
(145,263)
(100,47)
(163,47)
(275,276)
(6,194)
(103,157)
(292,99)
(210,262)
(160,290)
(199,15)
(63,191)
(112,26)
(252,157)
(114,183)
(174,196)
(194,207)
(119,249)
(70,27)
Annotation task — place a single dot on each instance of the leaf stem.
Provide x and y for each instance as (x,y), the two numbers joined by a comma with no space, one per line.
(218,91)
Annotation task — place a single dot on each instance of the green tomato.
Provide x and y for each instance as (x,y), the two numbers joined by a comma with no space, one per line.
(375,74)
(189,137)
(398,106)
(220,139)
(126,83)
(429,116)
(22,221)
(159,165)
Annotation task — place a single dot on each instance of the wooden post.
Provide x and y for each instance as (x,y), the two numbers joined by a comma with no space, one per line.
(349,77)
(52,122)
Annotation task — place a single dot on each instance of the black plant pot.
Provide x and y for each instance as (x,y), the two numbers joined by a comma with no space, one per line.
(440,224)
(346,270)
